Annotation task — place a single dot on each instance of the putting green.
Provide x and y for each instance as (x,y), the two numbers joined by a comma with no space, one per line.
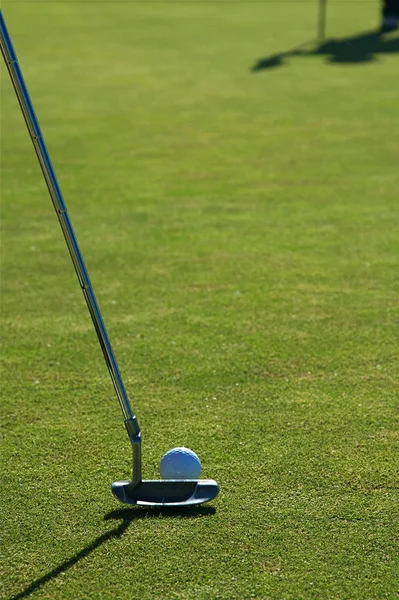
(234,191)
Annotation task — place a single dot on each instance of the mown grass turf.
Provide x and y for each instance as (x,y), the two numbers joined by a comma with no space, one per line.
(241,231)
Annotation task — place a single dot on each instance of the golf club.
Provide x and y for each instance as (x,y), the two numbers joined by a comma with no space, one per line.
(322,21)
(135,491)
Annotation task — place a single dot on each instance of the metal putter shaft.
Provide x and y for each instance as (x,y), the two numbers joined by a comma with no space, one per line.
(136,491)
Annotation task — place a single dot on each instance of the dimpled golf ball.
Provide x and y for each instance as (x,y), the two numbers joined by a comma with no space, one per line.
(180,463)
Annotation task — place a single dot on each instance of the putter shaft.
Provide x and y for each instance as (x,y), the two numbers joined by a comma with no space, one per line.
(32,123)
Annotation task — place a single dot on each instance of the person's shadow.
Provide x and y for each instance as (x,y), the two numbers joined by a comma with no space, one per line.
(126,516)
(361,48)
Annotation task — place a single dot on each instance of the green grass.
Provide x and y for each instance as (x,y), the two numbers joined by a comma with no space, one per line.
(241,232)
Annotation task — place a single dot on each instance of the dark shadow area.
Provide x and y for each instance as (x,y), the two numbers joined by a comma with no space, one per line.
(126,517)
(361,48)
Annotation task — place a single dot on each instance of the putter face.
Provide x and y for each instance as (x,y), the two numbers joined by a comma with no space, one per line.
(166,492)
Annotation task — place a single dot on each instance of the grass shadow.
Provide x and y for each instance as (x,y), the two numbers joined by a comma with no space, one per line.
(361,48)
(126,516)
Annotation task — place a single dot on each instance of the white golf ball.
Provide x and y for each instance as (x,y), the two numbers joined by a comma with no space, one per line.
(180,463)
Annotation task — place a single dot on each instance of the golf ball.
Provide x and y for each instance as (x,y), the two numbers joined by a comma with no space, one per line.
(180,463)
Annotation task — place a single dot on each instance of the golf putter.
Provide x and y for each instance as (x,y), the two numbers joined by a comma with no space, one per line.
(162,492)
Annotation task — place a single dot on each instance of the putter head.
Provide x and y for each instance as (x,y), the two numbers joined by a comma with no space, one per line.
(166,492)
(159,492)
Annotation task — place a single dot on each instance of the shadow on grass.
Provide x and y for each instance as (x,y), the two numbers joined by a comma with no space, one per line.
(361,48)
(126,516)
